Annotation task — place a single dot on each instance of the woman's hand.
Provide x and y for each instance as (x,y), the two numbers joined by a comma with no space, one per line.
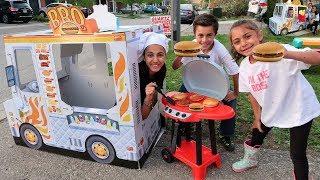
(230,96)
(150,89)
(257,124)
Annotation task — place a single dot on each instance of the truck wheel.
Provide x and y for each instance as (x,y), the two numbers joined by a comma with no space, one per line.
(167,155)
(284,31)
(300,28)
(100,149)
(31,136)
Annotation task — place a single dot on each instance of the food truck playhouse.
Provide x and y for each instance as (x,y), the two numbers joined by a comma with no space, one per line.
(78,89)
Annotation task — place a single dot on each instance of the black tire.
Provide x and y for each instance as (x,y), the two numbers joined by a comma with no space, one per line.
(31,136)
(167,155)
(284,32)
(100,149)
(6,19)
(300,28)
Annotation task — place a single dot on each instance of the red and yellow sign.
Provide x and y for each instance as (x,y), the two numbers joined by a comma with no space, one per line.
(70,20)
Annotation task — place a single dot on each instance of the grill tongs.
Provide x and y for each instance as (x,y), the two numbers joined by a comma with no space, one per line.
(169,99)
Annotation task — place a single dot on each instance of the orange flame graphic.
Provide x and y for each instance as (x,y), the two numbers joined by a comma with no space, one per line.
(124,106)
(40,122)
(119,68)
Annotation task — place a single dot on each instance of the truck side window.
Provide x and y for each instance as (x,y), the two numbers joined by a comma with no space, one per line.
(26,73)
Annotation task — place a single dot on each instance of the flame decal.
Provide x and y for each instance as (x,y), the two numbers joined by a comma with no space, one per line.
(119,68)
(44,117)
(124,106)
(38,117)
(34,115)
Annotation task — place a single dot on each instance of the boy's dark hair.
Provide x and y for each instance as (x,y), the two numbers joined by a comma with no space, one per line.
(206,20)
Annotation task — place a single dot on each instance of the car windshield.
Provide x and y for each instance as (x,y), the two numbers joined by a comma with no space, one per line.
(186,6)
(20,4)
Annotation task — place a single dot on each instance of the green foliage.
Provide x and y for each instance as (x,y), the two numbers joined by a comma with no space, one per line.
(82,3)
(233,8)
(269,13)
(40,19)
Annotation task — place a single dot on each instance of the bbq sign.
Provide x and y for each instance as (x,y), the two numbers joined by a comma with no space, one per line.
(165,21)
(69,20)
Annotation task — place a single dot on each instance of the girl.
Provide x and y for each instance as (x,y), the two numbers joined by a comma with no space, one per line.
(153,48)
(279,94)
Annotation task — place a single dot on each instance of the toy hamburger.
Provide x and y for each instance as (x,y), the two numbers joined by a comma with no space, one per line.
(268,52)
(196,98)
(183,102)
(187,48)
(196,107)
(210,102)
(179,96)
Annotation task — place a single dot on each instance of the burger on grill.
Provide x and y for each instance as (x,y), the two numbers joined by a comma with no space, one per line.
(179,96)
(196,107)
(196,98)
(183,102)
(269,52)
(187,48)
(210,102)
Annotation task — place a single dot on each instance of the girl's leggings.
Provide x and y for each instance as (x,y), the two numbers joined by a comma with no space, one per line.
(298,146)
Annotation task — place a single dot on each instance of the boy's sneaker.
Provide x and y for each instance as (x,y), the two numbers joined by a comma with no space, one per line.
(227,143)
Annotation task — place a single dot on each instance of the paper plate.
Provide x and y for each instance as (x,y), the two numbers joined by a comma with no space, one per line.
(206,78)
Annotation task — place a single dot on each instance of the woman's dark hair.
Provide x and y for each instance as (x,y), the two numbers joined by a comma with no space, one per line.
(249,24)
(316,12)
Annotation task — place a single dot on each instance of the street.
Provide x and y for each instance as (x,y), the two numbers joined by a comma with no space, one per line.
(18,162)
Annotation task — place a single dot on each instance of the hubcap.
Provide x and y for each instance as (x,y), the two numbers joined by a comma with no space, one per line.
(31,137)
(100,150)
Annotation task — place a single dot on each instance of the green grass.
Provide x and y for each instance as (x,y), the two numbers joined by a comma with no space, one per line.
(278,138)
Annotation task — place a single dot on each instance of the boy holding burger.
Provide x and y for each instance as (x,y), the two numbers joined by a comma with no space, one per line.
(205,28)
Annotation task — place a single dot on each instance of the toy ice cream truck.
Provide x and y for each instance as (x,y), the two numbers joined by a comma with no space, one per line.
(288,17)
(79,89)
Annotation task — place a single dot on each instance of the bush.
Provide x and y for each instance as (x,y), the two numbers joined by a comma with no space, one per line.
(233,8)
(269,13)
(40,19)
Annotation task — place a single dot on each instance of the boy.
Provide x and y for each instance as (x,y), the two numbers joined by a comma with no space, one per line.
(205,28)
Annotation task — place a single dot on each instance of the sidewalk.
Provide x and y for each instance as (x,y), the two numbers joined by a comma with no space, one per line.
(19,162)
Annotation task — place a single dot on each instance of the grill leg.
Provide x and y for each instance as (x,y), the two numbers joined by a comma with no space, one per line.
(174,130)
(199,143)
(212,137)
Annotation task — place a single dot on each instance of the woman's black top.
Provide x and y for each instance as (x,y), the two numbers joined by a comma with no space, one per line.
(145,78)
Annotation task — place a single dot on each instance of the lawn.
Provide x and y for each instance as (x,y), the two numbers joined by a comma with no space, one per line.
(278,138)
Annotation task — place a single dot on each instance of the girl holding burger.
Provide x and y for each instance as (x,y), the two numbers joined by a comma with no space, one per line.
(279,94)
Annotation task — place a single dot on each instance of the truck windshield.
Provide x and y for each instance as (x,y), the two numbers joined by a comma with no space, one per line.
(278,11)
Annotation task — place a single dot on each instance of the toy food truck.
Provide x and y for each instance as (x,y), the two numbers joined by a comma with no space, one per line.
(80,92)
(288,17)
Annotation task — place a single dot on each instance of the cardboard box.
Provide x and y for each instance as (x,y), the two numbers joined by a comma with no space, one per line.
(80,92)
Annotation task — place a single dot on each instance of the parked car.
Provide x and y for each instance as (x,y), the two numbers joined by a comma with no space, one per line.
(187,13)
(11,10)
(43,10)
(127,10)
(164,9)
(152,9)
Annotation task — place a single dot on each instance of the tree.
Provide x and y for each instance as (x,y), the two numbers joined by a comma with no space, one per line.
(82,3)
(130,3)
